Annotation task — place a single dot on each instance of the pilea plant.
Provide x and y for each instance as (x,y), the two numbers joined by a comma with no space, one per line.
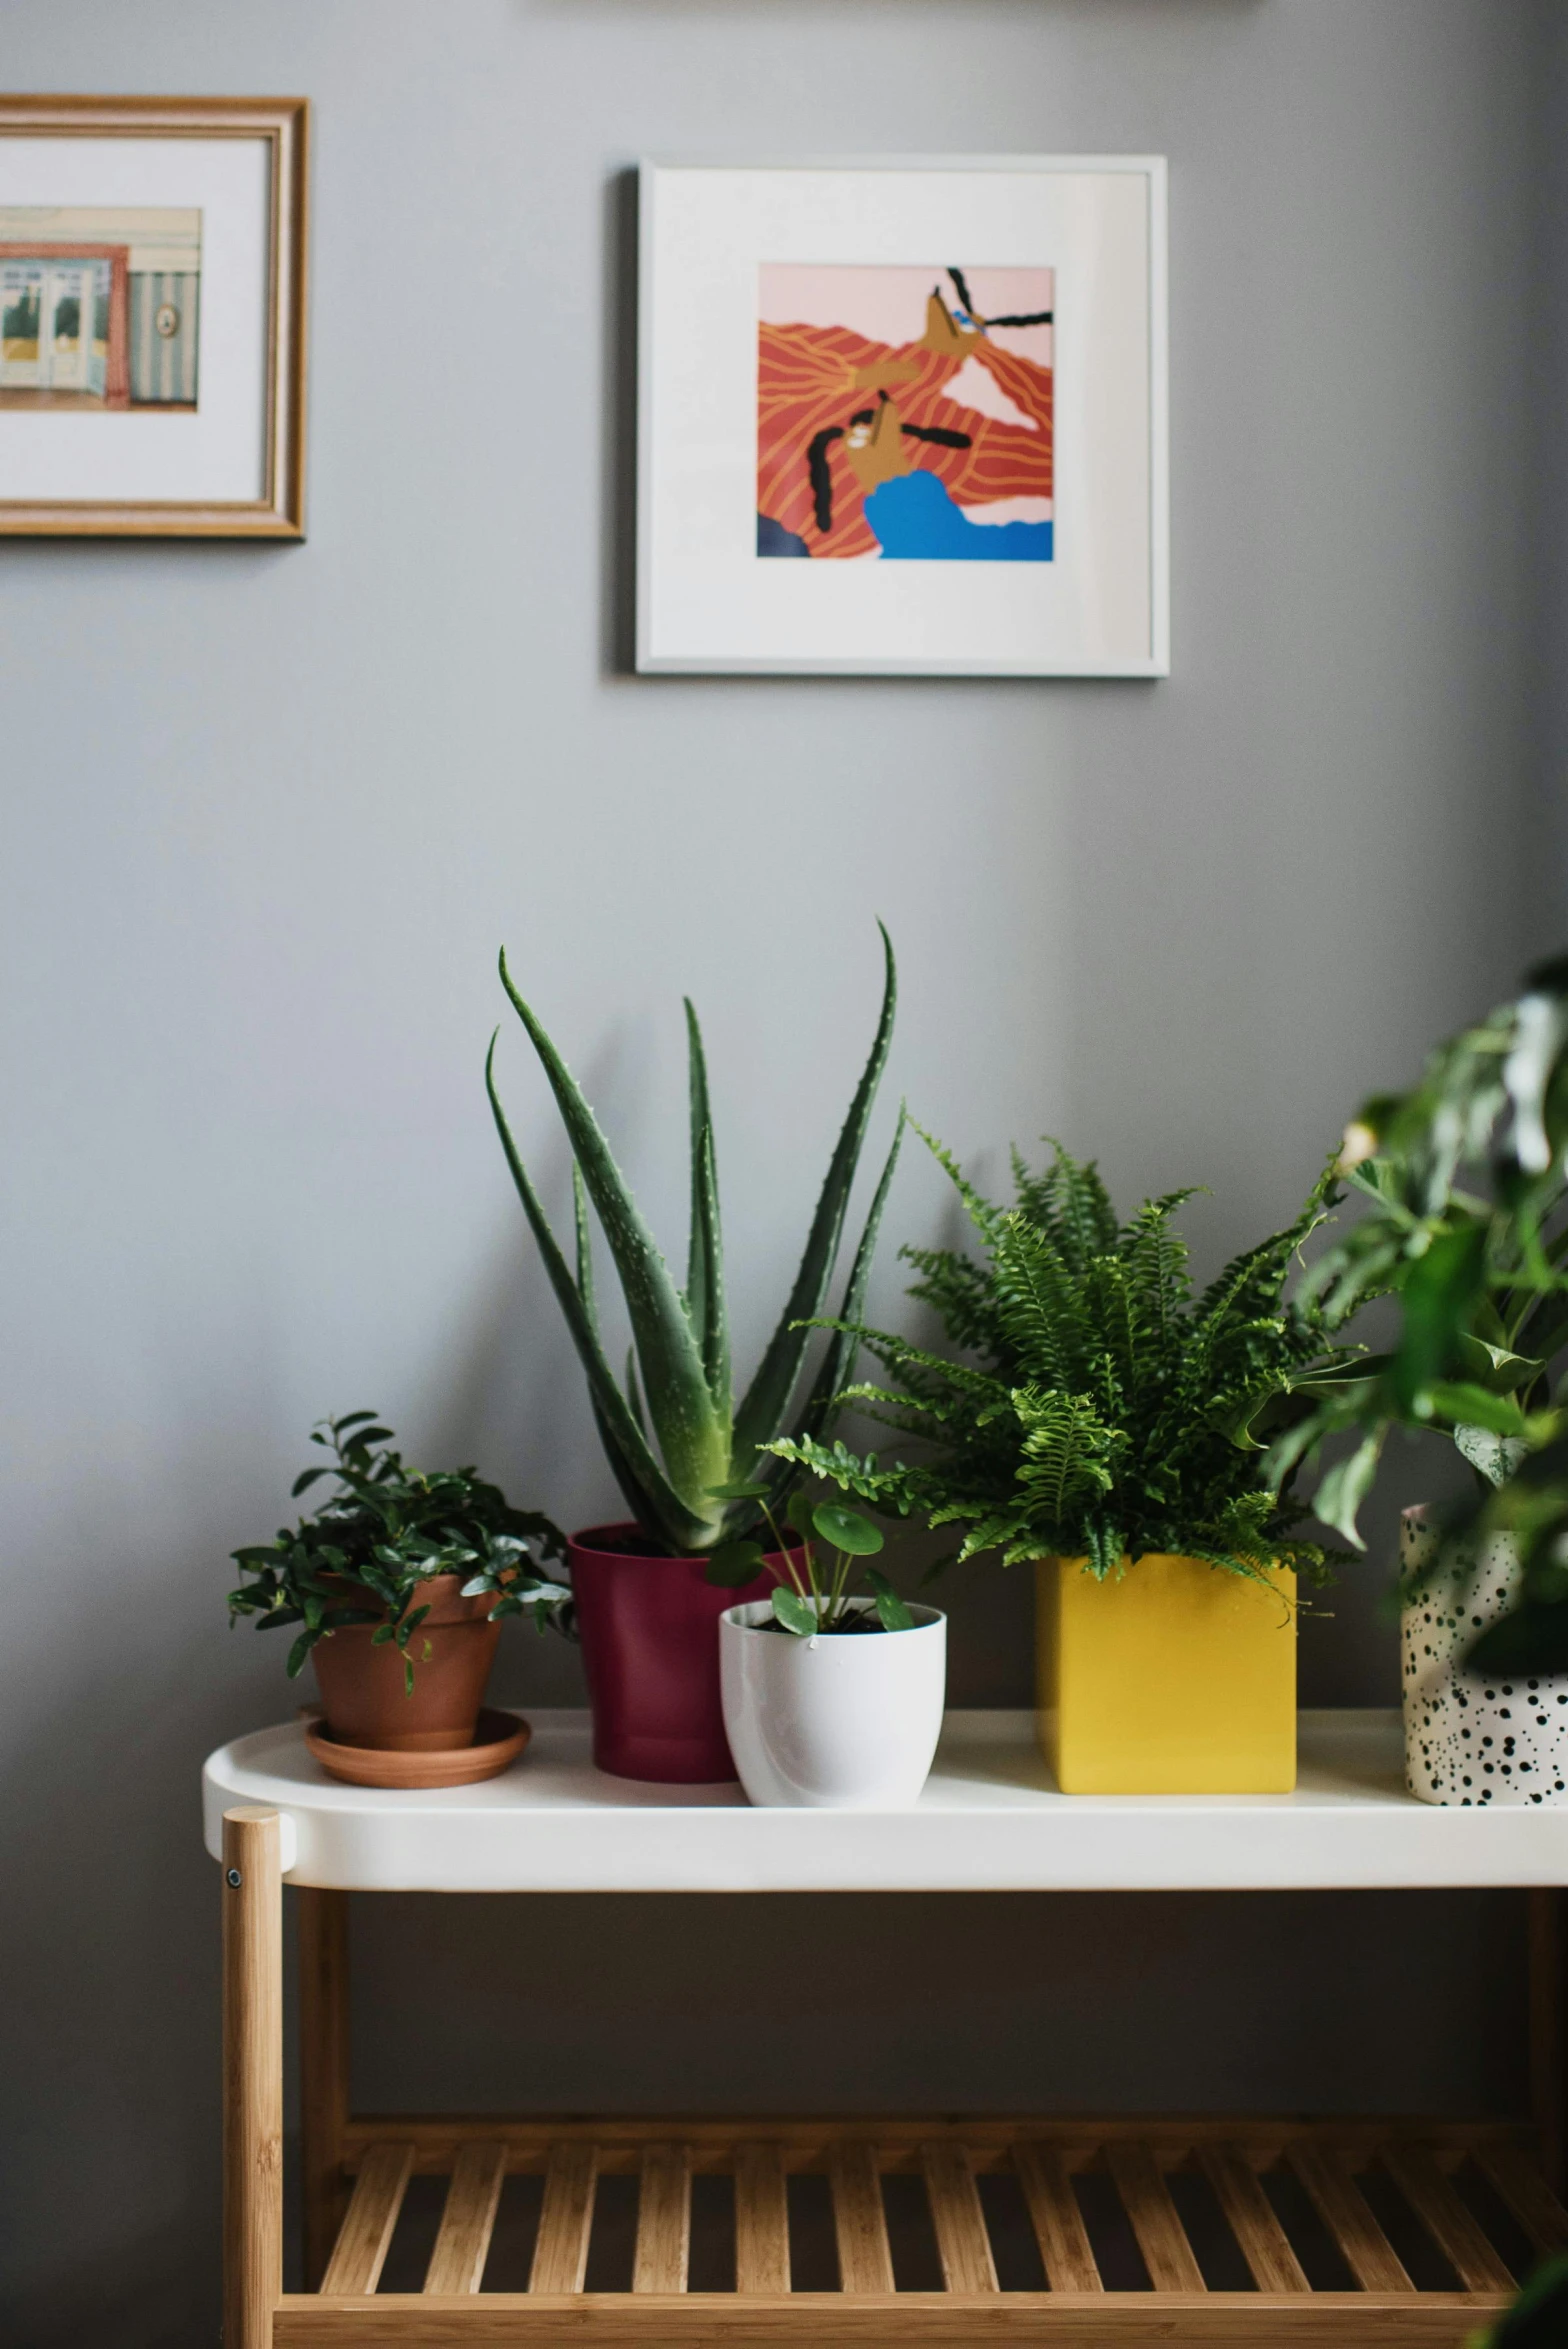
(686,1455)
(387,1531)
(818,1597)
(1093,1406)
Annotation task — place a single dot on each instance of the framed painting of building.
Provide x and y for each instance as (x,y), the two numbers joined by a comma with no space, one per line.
(152,317)
(904,417)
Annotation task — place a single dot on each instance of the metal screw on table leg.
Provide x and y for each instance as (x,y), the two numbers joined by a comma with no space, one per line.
(252,2077)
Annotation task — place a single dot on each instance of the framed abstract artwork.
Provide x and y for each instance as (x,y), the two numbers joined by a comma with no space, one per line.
(152,317)
(904,417)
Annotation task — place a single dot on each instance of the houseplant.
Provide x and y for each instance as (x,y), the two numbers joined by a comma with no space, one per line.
(831,1701)
(398,1585)
(1098,1419)
(1465,1228)
(683,1450)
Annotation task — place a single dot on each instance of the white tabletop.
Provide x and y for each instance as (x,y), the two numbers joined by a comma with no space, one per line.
(990,1820)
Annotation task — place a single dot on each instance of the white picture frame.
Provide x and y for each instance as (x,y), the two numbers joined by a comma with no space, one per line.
(717,242)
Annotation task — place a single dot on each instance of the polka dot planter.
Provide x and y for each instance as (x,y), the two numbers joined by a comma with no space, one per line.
(1490,1742)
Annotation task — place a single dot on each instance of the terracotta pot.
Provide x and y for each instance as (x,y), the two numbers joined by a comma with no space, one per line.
(362,1686)
(650,1634)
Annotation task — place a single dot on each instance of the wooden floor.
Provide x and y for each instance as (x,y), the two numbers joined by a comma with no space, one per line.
(1230,2232)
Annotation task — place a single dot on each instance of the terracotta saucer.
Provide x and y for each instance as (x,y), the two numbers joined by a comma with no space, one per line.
(498,1740)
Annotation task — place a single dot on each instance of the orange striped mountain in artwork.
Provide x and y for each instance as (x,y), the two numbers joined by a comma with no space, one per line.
(905,413)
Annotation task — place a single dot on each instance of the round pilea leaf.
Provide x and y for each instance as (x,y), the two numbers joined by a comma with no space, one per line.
(734,1564)
(794,1613)
(846,1529)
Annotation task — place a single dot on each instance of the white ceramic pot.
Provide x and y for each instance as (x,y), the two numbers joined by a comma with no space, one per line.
(845,1721)
(1492,1742)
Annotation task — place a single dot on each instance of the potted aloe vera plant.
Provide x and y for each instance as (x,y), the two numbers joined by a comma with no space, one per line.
(1463,1183)
(685,1452)
(832,1699)
(1099,1420)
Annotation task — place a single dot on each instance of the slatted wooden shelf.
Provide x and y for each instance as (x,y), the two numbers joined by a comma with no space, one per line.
(1233,2231)
(435,2231)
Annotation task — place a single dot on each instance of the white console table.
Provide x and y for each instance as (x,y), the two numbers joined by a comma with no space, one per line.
(990,1819)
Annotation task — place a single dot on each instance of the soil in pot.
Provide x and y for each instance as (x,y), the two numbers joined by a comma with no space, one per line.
(363,1687)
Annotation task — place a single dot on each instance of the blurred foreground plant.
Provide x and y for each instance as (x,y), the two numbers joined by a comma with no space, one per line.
(1465,1180)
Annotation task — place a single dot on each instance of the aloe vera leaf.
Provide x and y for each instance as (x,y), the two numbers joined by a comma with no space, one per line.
(838,1362)
(584,1247)
(705,1297)
(634,1391)
(628,1449)
(693,1440)
(767,1399)
(661,1534)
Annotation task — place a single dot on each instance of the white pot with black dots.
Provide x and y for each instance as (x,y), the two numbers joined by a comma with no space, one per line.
(1490,1743)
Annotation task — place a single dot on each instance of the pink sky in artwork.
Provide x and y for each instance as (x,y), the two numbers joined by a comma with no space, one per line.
(889,304)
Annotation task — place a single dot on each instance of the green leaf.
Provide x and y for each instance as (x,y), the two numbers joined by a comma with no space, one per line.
(705,1254)
(1496,1457)
(584,1249)
(734,1491)
(763,1411)
(298,1652)
(692,1436)
(1438,1296)
(891,1609)
(838,1363)
(794,1613)
(734,1564)
(653,1498)
(1346,1486)
(302,1483)
(1475,1407)
(846,1529)
(408,1676)
(797,1512)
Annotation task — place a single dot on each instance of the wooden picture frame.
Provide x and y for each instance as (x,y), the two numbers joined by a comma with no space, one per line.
(204,395)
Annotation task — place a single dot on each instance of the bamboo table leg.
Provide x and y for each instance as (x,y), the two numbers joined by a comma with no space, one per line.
(323,2072)
(252,2077)
(1548,2051)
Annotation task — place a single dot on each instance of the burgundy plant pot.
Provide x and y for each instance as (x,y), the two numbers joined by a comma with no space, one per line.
(650,1634)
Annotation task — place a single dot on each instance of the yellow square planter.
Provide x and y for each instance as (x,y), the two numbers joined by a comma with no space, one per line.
(1175,1678)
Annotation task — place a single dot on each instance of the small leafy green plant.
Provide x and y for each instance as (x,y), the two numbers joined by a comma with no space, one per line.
(676,1439)
(388,1531)
(1092,1406)
(820,1596)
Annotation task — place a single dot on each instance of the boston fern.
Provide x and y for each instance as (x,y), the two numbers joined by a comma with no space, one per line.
(1094,1406)
(368,1552)
(685,1453)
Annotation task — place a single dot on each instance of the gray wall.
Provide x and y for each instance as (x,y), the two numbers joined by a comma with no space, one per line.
(268,814)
